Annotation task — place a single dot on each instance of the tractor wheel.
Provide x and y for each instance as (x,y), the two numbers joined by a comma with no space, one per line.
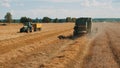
(39,29)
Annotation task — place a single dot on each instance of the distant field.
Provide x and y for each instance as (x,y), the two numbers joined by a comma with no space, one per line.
(43,49)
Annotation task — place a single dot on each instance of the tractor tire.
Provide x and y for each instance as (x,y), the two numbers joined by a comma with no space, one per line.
(21,29)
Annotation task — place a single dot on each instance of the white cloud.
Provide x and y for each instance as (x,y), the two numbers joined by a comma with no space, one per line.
(62,13)
(88,8)
(97,3)
(65,1)
(5,3)
(87,3)
(59,13)
(12,12)
(40,12)
(33,13)
(21,4)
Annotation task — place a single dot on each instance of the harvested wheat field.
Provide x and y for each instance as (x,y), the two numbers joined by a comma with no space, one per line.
(43,49)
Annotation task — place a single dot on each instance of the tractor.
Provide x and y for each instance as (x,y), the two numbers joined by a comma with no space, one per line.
(29,27)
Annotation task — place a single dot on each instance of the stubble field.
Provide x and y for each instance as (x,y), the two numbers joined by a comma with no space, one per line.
(43,49)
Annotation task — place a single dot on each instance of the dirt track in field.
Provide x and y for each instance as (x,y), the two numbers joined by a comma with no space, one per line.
(104,51)
(43,49)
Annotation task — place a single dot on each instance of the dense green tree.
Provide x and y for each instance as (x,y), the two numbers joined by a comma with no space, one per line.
(8,17)
(37,20)
(68,19)
(62,20)
(73,19)
(25,19)
(29,20)
(46,20)
(56,20)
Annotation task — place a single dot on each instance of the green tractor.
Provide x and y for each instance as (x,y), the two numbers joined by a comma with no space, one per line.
(26,28)
(29,27)
(82,26)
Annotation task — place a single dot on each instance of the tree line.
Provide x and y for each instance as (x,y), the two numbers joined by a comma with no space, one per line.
(8,19)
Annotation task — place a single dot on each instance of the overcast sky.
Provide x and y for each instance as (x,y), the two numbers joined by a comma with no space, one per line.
(60,8)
